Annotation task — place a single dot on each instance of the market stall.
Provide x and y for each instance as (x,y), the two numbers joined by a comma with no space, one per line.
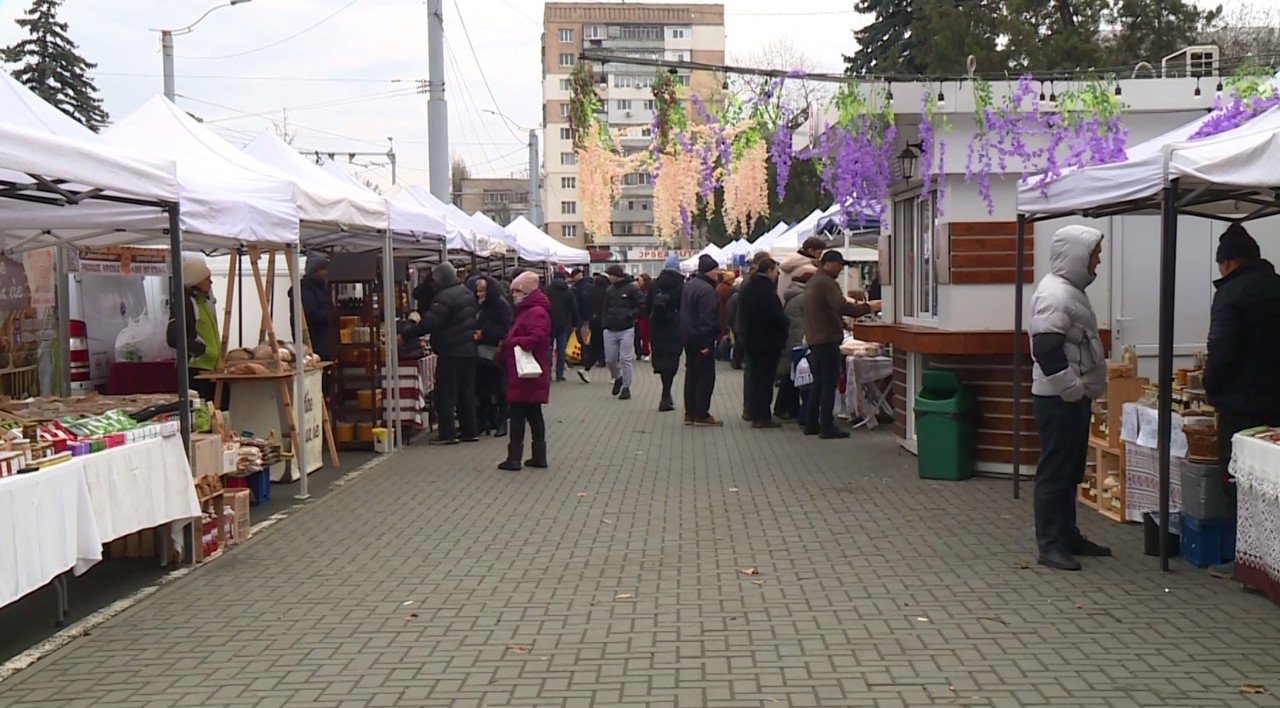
(1227,178)
(1255,464)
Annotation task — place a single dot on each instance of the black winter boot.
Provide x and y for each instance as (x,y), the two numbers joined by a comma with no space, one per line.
(539,459)
(500,421)
(512,463)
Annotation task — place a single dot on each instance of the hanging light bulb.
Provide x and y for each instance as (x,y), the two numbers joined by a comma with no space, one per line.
(1053,95)
(1119,91)
(942,100)
(1218,89)
(888,96)
(1042,91)
(1196,94)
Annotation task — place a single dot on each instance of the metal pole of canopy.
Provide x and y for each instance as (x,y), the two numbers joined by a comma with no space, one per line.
(389,306)
(178,306)
(1020,264)
(299,376)
(1164,429)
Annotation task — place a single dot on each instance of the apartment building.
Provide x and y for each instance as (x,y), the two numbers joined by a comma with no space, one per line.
(500,198)
(675,32)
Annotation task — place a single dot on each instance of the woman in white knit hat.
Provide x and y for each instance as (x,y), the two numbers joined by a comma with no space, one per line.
(203,340)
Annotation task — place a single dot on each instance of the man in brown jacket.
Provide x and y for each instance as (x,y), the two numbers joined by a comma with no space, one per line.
(824,308)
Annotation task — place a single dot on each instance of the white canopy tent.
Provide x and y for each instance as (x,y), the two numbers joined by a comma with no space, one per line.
(782,237)
(328,200)
(560,253)
(411,223)
(500,241)
(527,249)
(1248,156)
(460,229)
(690,264)
(227,197)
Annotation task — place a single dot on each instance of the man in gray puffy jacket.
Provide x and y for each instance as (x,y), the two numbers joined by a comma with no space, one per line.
(1069,374)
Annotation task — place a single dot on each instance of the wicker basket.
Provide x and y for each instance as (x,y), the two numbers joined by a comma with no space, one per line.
(1202,438)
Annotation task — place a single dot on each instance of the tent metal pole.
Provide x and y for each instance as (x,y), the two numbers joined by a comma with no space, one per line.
(1020,264)
(178,306)
(299,378)
(62,301)
(1164,429)
(389,309)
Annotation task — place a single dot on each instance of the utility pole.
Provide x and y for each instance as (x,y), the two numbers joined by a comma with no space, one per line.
(535,201)
(166,49)
(437,106)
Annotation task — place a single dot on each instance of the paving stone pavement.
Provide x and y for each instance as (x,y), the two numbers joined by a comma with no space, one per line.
(619,567)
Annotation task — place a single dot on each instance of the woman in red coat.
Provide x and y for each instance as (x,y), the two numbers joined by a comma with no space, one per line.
(525,397)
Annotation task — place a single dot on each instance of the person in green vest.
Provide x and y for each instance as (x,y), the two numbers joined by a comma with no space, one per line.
(203,341)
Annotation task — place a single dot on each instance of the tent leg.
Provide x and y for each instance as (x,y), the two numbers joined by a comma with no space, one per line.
(178,306)
(1020,264)
(63,305)
(299,381)
(1168,274)
(389,308)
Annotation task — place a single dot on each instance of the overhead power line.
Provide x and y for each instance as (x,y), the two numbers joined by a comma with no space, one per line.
(291,123)
(475,56)
(278,42)
(292,79)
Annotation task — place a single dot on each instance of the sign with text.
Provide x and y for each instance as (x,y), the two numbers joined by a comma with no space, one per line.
(120,260)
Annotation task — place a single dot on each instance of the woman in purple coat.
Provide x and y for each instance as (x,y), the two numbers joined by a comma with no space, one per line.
(525,397)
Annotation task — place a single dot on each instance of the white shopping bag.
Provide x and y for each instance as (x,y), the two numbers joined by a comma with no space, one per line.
(527,366)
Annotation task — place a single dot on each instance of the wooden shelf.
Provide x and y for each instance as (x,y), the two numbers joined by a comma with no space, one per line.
(1102,446)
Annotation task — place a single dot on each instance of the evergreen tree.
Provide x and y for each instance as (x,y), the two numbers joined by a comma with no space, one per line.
(50,66)
(887,44)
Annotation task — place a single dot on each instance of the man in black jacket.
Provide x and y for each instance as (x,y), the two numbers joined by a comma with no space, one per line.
(1240,376)
(564,316)
(699,328)
(623,305)
(451,322)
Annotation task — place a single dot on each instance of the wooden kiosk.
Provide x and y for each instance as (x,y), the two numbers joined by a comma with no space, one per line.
(254,393)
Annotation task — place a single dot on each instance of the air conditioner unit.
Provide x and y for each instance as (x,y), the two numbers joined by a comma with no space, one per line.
(1200,60)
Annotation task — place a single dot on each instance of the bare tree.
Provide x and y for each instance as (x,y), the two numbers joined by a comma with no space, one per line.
(797,97)
(458,171)
(287,134)
(1248,30)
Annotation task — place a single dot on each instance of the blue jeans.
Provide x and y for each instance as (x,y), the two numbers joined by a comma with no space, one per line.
(559,344)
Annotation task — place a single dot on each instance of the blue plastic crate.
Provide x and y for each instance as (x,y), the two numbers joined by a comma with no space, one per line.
(1205,543)
(259,484)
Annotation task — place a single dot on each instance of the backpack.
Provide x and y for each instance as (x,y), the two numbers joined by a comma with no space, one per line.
(662,310)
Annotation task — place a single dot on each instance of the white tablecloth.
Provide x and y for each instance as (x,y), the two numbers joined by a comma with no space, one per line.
(1256,466)
(139,486)
(47,527)
(57,519)
(859,372)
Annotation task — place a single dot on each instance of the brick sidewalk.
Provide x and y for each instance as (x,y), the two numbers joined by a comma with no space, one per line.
(875,589)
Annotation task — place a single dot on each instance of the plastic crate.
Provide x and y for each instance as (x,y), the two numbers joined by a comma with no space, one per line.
(1206,543)
(259,484)
(1204,495)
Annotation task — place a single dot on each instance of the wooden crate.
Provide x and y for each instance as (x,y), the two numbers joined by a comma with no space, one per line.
(1106,449)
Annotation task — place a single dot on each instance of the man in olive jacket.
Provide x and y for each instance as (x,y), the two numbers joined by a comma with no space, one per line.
(824,307)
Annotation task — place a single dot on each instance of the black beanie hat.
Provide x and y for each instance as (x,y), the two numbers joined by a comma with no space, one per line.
(706,263)
(1236,244)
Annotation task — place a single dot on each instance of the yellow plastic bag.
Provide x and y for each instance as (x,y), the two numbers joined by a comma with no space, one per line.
(573,350)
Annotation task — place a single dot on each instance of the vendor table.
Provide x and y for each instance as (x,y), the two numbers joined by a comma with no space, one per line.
(868,386)
(416,382)
(47,527)
(1255,464)
(1139,423)
(57,519)
(134,377)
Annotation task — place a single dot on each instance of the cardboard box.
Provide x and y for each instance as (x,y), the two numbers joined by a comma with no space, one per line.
(206,455)
(238,502)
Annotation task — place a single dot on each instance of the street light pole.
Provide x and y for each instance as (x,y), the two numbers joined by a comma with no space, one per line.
(166,46)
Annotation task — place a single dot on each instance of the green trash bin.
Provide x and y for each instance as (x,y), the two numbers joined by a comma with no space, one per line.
(945,427)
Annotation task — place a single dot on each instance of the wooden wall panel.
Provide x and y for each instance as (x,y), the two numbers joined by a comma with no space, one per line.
(990,377)
(985,252)
(900,394)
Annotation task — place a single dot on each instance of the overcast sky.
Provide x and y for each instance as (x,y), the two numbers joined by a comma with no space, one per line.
(244,64)
(346,70)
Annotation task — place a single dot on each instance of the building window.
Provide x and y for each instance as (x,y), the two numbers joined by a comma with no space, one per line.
(646,132)
(644,206)
(624,104)
(566,59)
(569,231)
(914,226)
(564,110)
(568,207)
(684,80)
(637,179)
(566,85)
(631,206)
(566,35)
(624,229)
(650,104)
(593,32)
(679,34)
(568,183)
(566,133)
(651,33)
(568,158)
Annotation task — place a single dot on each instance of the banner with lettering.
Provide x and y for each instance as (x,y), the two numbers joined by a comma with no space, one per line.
(120,260)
